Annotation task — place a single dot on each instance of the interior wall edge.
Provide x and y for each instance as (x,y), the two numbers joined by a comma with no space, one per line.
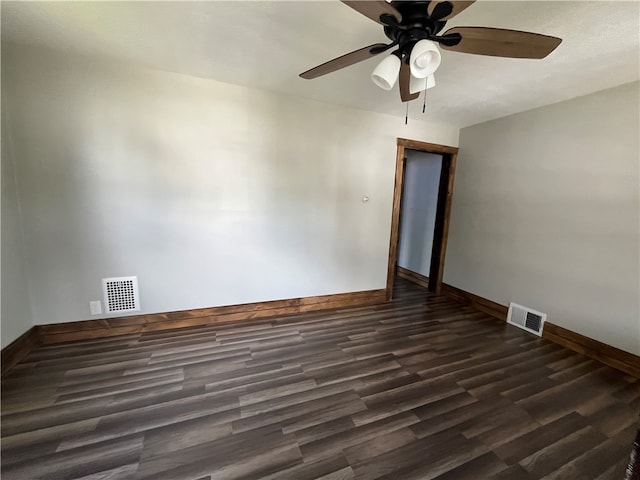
(9,154)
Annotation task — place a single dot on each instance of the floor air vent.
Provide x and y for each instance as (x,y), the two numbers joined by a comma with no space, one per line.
(526,318)
(121,294)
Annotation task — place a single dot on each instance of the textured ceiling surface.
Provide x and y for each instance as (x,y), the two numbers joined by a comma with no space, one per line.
(267,44)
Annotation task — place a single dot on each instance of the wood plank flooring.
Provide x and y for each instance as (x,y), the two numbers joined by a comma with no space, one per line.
(421,388)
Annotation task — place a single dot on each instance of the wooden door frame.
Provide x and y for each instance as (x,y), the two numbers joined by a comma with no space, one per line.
(441,230)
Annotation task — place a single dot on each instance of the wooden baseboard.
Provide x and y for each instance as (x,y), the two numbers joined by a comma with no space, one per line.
(412,276)
(483,304)
(18,349)
(612,356)
(107,327)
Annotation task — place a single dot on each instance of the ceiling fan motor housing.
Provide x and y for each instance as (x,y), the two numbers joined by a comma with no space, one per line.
(416,25)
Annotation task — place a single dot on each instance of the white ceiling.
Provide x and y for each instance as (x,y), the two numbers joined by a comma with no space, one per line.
(267,44)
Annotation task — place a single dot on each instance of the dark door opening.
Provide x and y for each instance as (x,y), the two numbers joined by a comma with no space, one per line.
(418,208)
(440,210)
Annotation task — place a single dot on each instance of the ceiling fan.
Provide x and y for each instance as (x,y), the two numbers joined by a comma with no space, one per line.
(414,28)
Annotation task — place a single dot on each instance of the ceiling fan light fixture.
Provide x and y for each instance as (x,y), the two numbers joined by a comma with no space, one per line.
(425,59)
(410,24)
(386,73)
(419,84)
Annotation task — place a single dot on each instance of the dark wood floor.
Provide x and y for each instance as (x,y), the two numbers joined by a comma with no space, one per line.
(421,388)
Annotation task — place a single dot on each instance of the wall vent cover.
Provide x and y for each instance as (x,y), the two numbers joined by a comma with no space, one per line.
(121,294)
(526,318)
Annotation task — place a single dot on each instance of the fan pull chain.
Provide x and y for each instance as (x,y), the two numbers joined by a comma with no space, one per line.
(406,115)
(424,101)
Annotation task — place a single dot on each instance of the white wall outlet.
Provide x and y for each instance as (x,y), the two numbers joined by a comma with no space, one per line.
(95,307)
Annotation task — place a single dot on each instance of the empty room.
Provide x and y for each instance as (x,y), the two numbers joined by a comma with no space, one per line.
(235,245)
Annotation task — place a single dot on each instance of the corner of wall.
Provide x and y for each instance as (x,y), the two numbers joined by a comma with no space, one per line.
(16,316)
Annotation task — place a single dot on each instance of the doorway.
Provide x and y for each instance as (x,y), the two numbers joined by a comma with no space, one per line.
(442,211)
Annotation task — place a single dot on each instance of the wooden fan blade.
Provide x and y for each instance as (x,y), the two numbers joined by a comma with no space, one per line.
(498,42)
(404,80)
(440,8)
(374,10)
(345,60)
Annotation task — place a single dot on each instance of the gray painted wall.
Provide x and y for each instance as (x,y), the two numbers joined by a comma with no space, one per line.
(212,194)
(15,313)
(546,213)
(418,215)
